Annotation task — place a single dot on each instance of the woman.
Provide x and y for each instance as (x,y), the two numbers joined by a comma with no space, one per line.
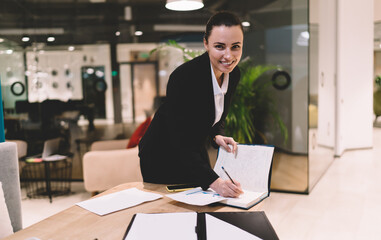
(199,93)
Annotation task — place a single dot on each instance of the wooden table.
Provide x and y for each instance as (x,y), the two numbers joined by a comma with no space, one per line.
(78,223)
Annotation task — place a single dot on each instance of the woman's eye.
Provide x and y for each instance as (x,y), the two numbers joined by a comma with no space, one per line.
(219,46)
(236,47)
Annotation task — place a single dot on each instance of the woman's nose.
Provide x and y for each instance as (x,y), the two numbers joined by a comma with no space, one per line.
(227,54)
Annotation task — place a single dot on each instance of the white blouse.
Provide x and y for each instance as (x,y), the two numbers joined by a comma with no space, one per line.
(219,95)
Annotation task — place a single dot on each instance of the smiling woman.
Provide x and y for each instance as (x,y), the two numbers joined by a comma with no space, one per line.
(199,93)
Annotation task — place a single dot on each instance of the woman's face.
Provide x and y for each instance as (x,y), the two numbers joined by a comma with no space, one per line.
(225,48)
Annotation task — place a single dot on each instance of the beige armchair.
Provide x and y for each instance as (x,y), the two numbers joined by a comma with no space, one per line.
(109,163)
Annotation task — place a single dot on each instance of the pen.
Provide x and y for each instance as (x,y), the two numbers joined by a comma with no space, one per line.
(228,175)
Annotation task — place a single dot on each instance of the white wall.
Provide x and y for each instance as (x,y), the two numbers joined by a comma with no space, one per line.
(345,72)
(40,65)
(60,60)
(377,10)
(326,73)
(355,75)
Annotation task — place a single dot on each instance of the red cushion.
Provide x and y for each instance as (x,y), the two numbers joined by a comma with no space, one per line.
(138,134)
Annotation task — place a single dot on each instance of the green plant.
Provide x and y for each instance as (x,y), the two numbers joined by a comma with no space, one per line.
(378,81)
(252,105)
(187,53)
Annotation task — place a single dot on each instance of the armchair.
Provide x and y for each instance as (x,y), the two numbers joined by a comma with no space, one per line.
(9,177)
(109,163)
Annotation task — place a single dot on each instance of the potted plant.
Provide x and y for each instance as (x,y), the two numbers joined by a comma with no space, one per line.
(252,105)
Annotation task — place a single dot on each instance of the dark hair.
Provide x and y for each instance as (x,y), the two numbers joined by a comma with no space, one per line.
(221,19)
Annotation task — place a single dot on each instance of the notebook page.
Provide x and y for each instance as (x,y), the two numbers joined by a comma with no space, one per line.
(250,166)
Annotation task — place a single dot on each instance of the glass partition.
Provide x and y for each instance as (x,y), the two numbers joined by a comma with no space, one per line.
(13,85)
(280,39)
(69,38)
(321,88)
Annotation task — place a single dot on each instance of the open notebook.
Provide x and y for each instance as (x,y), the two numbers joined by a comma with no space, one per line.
(250,166)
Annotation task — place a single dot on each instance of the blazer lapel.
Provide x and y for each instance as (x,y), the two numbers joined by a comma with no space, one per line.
(209,84)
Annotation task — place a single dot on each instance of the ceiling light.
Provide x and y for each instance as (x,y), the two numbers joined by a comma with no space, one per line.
(246,24)
(71,48)
(184,5)
(305,34)
(9,51)
(138,33)
(117,33)
(25,39)
(90,70)
(1,40)
(51,39)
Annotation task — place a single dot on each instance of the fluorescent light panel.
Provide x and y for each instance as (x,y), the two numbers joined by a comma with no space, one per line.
(178,28)
(32,31)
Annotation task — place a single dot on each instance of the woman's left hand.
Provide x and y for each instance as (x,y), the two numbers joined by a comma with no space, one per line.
(225,141)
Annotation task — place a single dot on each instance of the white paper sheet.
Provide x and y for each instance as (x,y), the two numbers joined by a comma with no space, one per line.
(117,201)
(197,197)
(169,226)
(217,229)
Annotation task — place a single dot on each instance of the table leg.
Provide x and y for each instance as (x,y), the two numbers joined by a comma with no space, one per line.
(47,180)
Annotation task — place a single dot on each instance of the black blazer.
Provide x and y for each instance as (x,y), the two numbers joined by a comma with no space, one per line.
(173,148)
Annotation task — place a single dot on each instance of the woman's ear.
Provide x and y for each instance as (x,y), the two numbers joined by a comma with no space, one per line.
(206,45)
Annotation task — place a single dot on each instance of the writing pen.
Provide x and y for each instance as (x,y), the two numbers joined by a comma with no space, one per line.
(227,174)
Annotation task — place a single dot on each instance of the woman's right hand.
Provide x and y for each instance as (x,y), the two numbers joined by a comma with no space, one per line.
(226,188)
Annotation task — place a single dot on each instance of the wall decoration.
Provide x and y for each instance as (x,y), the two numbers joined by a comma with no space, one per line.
(17,88)
(69,86)
(67,73)
(281,80)
(48,78)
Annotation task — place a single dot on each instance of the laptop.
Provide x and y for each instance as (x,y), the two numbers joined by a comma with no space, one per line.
(49,152)
(51,147)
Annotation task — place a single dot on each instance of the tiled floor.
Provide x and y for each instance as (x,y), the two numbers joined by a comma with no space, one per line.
(345,204)
(34,210)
